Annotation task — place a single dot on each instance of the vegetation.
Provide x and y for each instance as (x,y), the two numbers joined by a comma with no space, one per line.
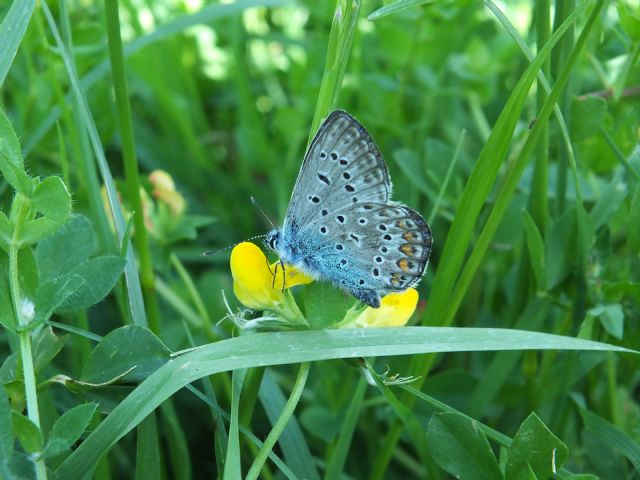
(133,136)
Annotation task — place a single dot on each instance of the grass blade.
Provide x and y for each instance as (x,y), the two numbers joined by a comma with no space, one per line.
(12,30)
(294,347)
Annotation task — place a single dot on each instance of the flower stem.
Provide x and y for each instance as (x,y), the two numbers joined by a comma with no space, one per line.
(19,213)
(281,423)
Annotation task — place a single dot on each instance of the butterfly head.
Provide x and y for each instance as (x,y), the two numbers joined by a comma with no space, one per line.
(273,239)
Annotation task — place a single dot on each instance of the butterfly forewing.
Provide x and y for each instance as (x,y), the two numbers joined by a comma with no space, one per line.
(342,167)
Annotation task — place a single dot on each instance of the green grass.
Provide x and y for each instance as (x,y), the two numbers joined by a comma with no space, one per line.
(514,130)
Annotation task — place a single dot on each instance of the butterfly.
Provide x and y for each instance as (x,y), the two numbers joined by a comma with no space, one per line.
(341,225)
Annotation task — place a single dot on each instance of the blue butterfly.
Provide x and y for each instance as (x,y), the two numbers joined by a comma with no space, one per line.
(341,225)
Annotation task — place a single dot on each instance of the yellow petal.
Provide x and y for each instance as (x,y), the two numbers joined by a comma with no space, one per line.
(252,280)
(293,276)
(395,311)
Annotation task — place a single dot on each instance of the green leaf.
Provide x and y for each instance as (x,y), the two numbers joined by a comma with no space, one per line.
(407,160)
(99,274)
(12,30)
(27,432)
(53,293)
(633,234)
(122,349)
(52,199)
(9,368)
(613,436)
(28,272)
(629,20)
(232,463)
(395,7)
(11,163)
(536,250)
(7,318)
(186,227)
(461,448)
(536,447)
(148,463)
(338,458)
(611,318)
(324,305)
(586,232)
(587,116)
(608,203)
(176,437)
(6,231)
(75,238)
(560,248)
(68,429)
(6,433)
(46,345)
(35,230)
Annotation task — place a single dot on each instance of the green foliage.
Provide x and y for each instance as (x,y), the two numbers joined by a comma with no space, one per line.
(513,129)
(535,450)
(68,429)
(461,448)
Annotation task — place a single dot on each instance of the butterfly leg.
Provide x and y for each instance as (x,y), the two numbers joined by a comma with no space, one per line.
(275,274)
(284,274)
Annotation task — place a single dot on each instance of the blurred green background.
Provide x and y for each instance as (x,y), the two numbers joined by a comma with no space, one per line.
(223,100)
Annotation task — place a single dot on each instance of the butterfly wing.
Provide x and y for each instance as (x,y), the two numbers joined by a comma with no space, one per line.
(342,167)
(369,249)
(340,225)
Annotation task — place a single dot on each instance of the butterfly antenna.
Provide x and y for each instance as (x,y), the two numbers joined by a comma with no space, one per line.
(266,217)
(220,250)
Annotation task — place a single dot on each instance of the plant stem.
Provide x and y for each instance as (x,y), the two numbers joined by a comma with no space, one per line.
(281,423)
(18,214)
(132,177)
(343,28)
(195,296)
(539,197)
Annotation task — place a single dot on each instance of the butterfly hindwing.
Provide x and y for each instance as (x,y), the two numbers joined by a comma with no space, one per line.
(370,249)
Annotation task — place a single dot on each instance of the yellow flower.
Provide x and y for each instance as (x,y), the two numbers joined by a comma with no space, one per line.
(164,190)
(395,311)
(253,279)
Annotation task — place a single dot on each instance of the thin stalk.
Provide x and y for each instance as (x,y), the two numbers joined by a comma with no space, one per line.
(19,213)
(281,423)
(195,296)
(539,198)
(132,177)
(343,29)
(447,177)
(612,391)
(559,56)
(619,155)
(335,464)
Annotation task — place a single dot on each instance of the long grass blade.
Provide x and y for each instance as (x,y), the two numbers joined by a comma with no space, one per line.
(296,347)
